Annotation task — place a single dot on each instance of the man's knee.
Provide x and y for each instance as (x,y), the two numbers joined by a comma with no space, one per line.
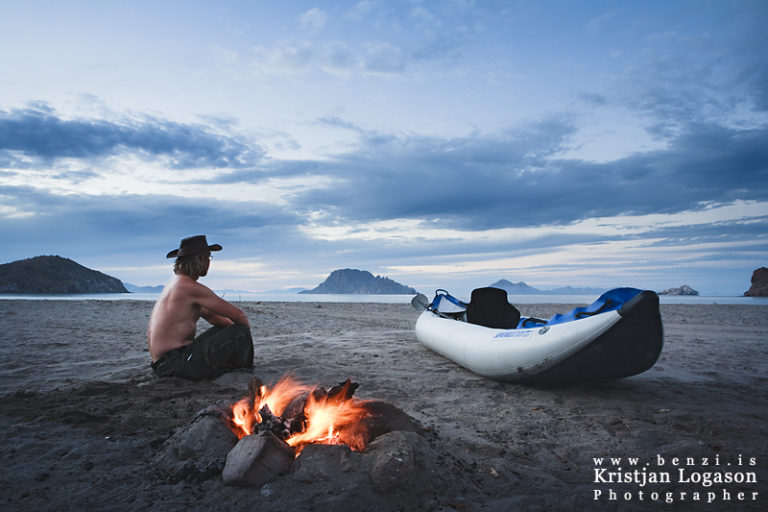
(246,343)
(241,330)
(233,348)
(243,334)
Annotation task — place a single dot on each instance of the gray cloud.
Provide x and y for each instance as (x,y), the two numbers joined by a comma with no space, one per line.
(510,179)
(39,132)
(118,225)
(516,179)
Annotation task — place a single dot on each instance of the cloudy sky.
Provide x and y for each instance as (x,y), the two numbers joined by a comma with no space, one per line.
(440,143)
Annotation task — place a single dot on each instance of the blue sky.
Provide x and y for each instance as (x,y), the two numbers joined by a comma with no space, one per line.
(443,144)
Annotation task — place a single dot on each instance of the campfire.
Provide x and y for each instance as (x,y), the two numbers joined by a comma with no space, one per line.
(257,438)
(300,414)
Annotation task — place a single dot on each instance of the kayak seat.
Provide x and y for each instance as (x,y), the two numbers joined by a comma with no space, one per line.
(489,307)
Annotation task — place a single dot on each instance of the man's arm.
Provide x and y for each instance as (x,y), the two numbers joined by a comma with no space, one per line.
(215,319)
(216,310)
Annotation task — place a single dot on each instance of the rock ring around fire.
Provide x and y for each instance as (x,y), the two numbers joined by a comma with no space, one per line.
(398,456)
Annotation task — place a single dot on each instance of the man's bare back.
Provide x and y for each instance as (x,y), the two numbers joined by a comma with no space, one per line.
(175,315)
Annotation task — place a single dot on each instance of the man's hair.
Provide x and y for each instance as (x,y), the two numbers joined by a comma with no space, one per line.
(190,265)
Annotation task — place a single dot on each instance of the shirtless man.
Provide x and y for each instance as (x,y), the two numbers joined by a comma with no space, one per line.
(171,337)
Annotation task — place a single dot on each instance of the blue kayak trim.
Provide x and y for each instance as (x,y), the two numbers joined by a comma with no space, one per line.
(630,347)
(611,300)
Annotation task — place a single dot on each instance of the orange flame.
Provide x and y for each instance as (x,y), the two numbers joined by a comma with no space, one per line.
(325,416)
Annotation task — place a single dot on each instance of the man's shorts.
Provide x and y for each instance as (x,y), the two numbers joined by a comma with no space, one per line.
(216,351)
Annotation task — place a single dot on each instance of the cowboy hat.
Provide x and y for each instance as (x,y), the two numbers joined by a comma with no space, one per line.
(193,245)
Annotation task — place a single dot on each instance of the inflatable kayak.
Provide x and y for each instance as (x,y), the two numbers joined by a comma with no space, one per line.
(617,336)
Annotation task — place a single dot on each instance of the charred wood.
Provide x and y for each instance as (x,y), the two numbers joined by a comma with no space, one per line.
(273,423)
(339,393)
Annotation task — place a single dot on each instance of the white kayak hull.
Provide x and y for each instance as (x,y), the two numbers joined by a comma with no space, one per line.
(614,344)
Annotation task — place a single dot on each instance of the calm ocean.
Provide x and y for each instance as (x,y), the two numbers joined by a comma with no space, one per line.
(384,299)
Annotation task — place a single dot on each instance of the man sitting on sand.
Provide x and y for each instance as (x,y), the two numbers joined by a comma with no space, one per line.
(175,350)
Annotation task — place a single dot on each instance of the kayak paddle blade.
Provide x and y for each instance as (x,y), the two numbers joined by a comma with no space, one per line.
(420,302)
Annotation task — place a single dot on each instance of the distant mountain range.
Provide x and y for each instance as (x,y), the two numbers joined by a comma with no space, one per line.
(296,289)
(132,288)
(54,274)
(351,281)
(522,288)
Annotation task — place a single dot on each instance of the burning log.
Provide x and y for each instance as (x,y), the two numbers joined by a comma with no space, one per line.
(255,387)
(282,428)
(295,407)
(293,420)
(335,394)
(338,393)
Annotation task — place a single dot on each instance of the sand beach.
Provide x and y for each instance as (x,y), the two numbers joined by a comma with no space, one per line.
(85,422)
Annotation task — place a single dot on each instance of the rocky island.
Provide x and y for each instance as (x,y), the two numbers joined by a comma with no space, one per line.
(683,290)
(759,286)
(351,281)
(54,274)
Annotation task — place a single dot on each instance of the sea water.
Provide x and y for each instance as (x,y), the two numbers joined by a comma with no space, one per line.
(236,297)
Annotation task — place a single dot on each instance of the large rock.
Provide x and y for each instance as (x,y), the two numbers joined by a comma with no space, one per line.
(320,463)
(759,286)
(400,461)
(396,462)
(256,460)
(197,451)
(381,419)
